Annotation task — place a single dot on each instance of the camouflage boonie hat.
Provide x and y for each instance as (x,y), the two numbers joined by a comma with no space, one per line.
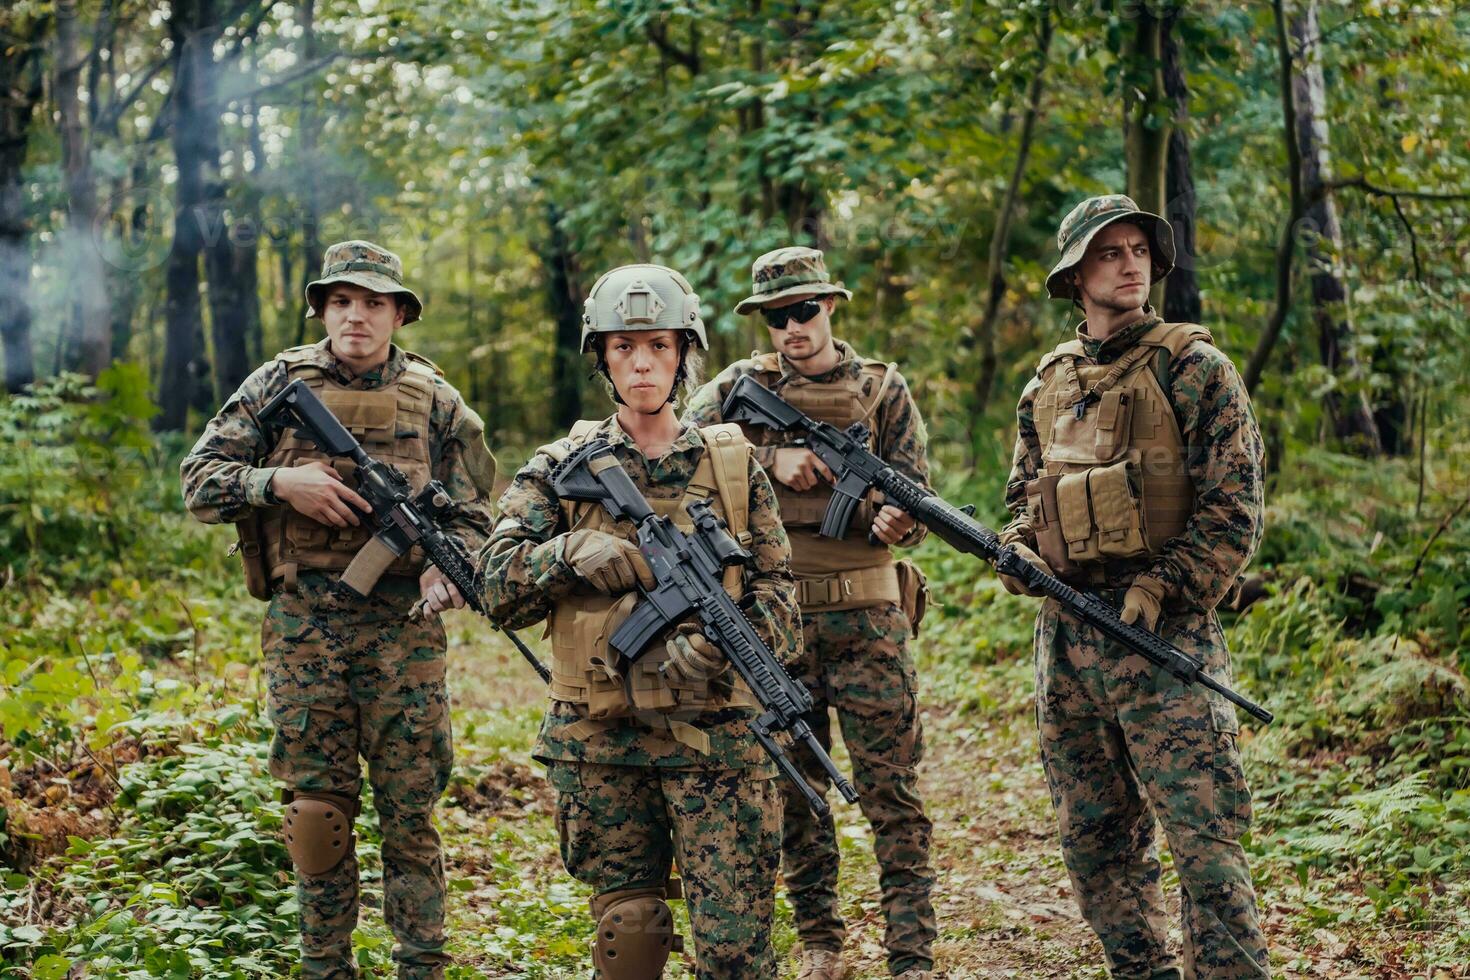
(1084,221)
(367,265)
(791,271)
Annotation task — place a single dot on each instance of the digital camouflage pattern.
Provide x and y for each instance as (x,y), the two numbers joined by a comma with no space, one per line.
(521,582)
(629,797)
(367,265)
(857,661)
(791,271)
(351,678)
(1123,741)
(348,678)
(221,480)
(903,439)
(624,826)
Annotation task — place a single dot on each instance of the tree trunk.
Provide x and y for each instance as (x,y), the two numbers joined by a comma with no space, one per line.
(1181,289)
(20,89)
(564,302)
(1146,114)
(1001,236)
(185,369)
(1284,244)
(86,339)
(1348,411)
(311,246)
(124,284)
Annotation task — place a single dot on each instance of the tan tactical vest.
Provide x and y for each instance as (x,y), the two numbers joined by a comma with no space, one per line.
(831,574)
(392,423)
(1115,481)
(583,665)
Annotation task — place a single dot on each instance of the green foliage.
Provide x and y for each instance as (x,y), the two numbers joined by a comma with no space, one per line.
(77,457)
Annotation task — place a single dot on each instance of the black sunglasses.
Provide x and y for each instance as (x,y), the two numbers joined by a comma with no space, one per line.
(800,312)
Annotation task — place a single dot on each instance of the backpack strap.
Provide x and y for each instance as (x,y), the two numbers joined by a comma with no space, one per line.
(729,454)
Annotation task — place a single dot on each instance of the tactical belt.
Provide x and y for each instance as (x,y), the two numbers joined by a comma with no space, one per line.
(861,585)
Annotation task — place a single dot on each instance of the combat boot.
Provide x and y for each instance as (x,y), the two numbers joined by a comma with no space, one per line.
(821,964)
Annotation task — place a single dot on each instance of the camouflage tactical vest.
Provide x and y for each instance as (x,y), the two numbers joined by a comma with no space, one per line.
(583,665)
(832,574)
(392,423)
(1115,480)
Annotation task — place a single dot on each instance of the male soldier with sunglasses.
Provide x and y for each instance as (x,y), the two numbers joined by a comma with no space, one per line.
(859,608)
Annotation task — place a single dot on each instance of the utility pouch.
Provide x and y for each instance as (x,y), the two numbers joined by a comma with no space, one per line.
(252,557)
(1099,434)
(1046,523)
(1117,511)
(1075,511)
(913,591)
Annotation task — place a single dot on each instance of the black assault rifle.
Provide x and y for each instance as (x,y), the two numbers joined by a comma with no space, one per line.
(857,471)
(688,572)
(403,518)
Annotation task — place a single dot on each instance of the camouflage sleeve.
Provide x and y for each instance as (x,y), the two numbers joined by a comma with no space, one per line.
(1225,457)
(1025,464)
(704,405)
(904,444)
(220,477)
(771,586)
(462,461)
(521,569)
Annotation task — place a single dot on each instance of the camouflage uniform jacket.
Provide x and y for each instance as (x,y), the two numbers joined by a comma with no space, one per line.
(222,477)
(903,441)
(521,584)
(1224,457)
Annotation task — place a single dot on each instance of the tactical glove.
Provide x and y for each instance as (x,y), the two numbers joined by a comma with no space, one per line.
(692,657)
(1142,603)
(605,562)
(1014,585)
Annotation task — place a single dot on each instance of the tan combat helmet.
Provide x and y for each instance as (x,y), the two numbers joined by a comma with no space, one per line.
(1083,223)
(367,265)
(641,297)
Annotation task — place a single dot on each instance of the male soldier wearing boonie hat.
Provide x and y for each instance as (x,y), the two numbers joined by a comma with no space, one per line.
(351,677)
(859,609)
(1138,475)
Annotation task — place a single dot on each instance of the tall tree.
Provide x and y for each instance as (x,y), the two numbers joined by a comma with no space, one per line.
(564,303)
(21,87)
(1146,109)
(192,28)
(1181,289)
(984,334)
(1348,410)
(86,337)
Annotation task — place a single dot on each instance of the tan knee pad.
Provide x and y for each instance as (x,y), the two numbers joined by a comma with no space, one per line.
(635,934)
(318,829)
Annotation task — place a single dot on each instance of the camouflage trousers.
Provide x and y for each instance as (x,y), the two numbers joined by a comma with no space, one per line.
(858,662)
(352,678)
(1124,742)
(625,826)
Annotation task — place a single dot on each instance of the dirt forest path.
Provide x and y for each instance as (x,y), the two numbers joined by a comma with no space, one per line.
(1003,899)
(1002,896)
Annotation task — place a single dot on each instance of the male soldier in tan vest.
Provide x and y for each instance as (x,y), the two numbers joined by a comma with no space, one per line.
(1137,475)
(859,609)
(351,677)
